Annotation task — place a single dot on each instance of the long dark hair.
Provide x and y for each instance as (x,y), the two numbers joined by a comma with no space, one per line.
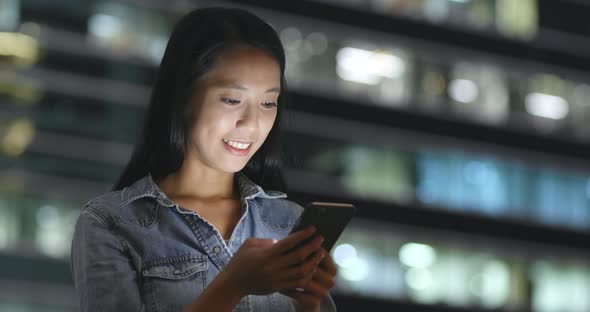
(196,42)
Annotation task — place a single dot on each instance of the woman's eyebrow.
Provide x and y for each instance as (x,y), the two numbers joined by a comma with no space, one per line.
(234,85)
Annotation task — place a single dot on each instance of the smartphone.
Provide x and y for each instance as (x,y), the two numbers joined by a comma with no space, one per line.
(330,219)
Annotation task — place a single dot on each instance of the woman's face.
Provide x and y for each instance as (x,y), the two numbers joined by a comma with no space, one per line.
(235,106)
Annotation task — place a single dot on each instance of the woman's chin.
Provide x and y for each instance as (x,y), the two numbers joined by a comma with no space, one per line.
(233,168)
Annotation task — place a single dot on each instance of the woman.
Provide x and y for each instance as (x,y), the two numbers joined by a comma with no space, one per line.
(190,225)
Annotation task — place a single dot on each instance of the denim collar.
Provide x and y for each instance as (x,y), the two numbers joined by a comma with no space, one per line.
(146,187)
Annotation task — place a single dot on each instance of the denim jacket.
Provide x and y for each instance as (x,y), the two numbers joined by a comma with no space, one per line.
(137,250)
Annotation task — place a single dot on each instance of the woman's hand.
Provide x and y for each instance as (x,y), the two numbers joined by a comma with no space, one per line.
(264,266)
(310,297)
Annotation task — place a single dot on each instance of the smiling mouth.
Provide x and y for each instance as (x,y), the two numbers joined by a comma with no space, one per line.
(237,148)
(237,144)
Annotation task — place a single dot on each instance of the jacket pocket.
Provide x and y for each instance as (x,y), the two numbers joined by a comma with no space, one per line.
(172,283)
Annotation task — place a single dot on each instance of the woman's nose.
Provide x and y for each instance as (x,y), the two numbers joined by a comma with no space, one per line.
(248,117)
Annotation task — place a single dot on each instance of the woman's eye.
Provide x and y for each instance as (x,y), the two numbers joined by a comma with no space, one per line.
(269,104)
(230,101)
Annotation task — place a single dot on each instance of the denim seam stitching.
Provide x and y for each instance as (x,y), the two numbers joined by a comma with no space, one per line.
(172,260)
(201,240)
(154,218)
(110,227)
(206,247)
(90,202)
(136,197)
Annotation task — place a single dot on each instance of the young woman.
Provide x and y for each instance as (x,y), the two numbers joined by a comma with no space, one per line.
(192,224)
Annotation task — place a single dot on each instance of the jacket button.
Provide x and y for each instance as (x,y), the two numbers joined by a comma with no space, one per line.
(216,249)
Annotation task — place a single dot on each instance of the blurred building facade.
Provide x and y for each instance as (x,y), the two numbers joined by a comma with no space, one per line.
(460,129)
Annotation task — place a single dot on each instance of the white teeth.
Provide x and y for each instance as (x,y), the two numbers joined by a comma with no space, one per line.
(236,144)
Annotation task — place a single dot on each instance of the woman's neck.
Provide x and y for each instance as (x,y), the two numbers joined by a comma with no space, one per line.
(201,183)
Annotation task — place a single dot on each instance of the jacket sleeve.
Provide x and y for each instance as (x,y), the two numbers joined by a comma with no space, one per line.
(103,274)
